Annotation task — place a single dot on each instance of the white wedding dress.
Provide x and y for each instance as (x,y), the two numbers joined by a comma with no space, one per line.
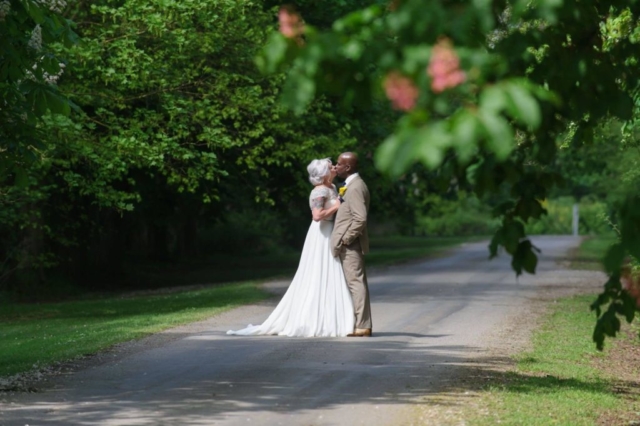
(317,302)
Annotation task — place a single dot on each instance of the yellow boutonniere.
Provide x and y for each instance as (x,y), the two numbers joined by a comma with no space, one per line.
(342,190)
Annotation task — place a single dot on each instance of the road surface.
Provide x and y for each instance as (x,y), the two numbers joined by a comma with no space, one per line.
(430,319)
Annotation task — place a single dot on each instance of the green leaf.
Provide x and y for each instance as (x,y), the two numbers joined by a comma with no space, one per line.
(520,7)
(34,11)
(499,134)
(524,258)
(629,307)
(530,261)
(529,208)
(56,103)
(493,99)
(22,177)
(603,298)
(273,53)
(503,208)
(414,57)
(69,37)
(513,232)
(39,101)
(466,131)
(547,10)
(298,93)
(385,154)
(522,105)
(432,141)
(472,173)
(598,333)
(485,14)
(545,95)
(353,50)
(614,257)
(50,65)
(610,322)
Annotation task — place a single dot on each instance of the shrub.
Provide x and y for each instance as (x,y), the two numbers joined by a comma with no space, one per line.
(559,218)
(465,215)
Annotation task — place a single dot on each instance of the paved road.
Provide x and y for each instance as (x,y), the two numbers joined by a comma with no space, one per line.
(430,318)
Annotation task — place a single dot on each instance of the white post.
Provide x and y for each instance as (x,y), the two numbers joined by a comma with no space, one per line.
(576,219)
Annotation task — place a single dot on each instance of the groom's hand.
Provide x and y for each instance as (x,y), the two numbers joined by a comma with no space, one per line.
(337,249)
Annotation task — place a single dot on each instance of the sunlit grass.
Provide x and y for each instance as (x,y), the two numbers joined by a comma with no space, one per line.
(556,383)
(35,335)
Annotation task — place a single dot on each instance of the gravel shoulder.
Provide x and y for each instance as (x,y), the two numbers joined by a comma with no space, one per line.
(464,395)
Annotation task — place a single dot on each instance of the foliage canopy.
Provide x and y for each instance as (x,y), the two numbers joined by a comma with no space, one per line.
(158,124)
(489,91)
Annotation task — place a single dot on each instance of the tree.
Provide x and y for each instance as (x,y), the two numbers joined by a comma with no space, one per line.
(176,132)
(487,90)
(29,70)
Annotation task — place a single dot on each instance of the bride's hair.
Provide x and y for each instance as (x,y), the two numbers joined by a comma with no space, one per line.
(318,169)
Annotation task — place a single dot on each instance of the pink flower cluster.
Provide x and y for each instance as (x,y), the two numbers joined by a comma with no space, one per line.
(291,23)
(632,286)
(444,67)
(400,90)
(393,5)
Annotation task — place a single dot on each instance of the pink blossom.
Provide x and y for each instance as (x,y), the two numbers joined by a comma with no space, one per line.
(444,67)
(401,91)
(393,5)
(291,24)
(631,285)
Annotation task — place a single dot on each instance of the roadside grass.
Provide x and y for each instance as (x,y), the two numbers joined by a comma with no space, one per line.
(34,336)
(223,268)
(394,250)
(37,335)
(557,382)
(591,252)
(564,380)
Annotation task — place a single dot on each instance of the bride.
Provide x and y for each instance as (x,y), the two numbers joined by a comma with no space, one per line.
(318,302)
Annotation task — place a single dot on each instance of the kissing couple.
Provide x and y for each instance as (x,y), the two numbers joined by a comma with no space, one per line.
(329,294)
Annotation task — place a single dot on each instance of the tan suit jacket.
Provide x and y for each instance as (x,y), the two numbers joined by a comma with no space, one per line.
(351,219)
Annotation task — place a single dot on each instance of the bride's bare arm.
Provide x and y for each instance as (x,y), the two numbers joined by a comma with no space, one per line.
(319,212)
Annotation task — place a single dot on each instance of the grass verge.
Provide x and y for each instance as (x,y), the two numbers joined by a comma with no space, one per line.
(227,268)
(224,268)
(591,252)
(394,250)
(557,382)
(564,380)
(37,335)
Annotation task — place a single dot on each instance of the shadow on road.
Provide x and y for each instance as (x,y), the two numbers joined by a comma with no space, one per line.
(287,377)
(428,340)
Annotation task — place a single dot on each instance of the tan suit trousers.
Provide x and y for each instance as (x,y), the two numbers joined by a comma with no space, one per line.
(353,264)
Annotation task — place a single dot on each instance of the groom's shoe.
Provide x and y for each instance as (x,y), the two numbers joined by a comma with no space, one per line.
(360,332)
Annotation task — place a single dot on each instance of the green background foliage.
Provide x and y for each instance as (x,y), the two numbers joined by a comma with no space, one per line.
(178,149)
(143,134)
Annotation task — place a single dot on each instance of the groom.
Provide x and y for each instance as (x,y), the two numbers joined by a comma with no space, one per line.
(350,239)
